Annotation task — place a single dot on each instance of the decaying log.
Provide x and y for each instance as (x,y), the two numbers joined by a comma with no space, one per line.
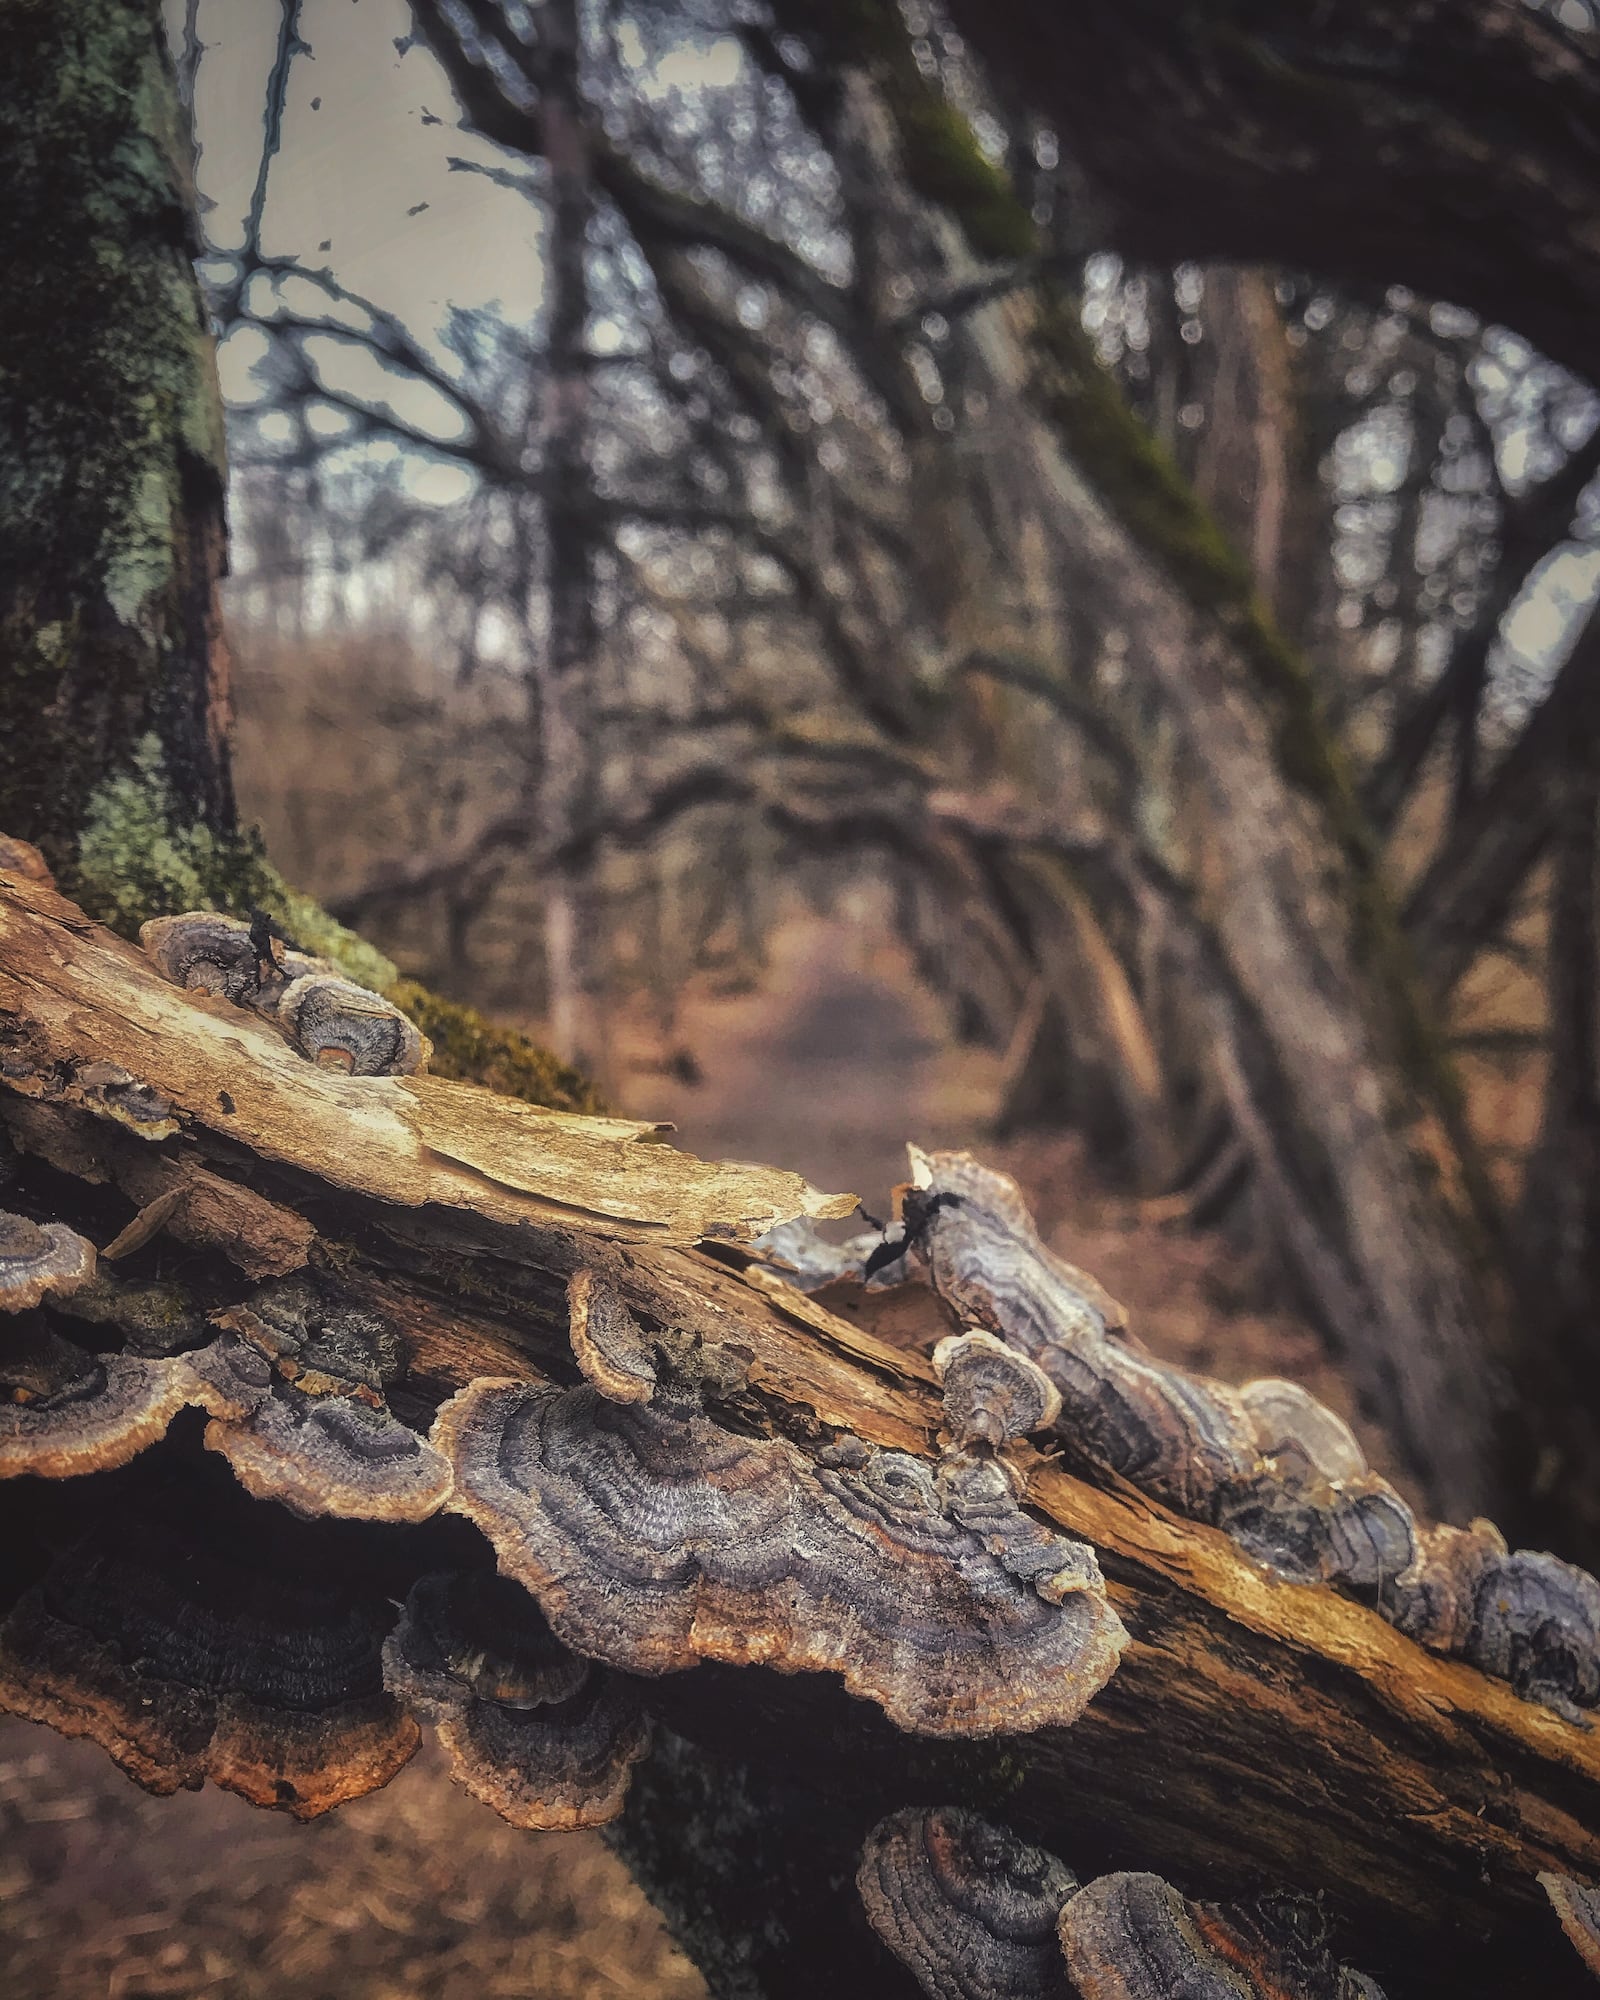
(1254,1734)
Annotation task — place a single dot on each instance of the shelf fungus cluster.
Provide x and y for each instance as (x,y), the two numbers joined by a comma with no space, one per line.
(546,1738)
(330,1019)
(654,1536)
(294,1386)
(193,1635)
(1267,1463)
(977,1914)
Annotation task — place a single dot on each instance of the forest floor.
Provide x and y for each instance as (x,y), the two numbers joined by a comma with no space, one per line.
(829,1066)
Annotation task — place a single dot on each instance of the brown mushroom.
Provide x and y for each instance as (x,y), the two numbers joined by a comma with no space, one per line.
(969,1908)
(193,1635)
(992,1392)
(344,1026)
(654,1536)
(610,1345)
(40,1258)
(295,1390)
(545,1738)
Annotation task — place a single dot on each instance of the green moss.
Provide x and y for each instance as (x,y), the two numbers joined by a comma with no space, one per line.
(942,158)
(137,859)
(468,1046)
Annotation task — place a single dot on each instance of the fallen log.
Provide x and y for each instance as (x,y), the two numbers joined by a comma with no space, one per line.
(1253,1735)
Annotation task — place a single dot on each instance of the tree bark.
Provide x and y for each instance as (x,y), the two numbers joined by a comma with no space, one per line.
(1448,147)
(1254,1733)
(113,667)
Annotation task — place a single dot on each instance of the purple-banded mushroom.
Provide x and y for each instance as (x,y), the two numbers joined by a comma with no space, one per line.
(654,1536)
(295,1391)
(340,1025)
(1177,1437)
(205,952)
(545,1738)
(37,1259)
(1133,1937)
(968,1907)
(992,1392)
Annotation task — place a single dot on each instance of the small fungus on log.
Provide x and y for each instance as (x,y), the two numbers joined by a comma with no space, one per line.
(305,1421)
(188,1643)
(991,1392)
(968,1907)
(40,1258)
(545,1738)
(344,1026)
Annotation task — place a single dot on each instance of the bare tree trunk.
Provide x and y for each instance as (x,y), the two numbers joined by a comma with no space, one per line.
(114,675)
(565,752)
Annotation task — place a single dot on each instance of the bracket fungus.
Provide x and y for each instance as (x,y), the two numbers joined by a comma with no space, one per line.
(40,1258)
(1577,1905)
(206,952)
(969,1908)
(295,1389)
(991,1392)
(608,1343)
(187,1638)
(344,1026)
(112,1092)
(1174,1435)
(545,1738)
(1133,1937)
(654,1537)
(1523,1616)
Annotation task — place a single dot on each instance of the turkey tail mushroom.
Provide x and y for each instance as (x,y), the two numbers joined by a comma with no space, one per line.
(969,1908)
(1133,1937)
(344,1026)
(295,1390)
(654,1536)
(545,1738)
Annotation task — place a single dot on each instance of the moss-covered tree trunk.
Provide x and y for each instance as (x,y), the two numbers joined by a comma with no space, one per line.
(114,699)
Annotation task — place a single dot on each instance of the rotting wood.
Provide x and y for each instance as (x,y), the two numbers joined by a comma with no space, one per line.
(1255,1734)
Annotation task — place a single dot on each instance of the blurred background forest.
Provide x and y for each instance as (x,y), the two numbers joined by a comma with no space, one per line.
(732,574)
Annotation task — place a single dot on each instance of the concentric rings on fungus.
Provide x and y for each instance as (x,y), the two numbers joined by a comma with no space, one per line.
(1133,1937)
(193,1636)
(653,1537)
(545,1738)
(969,1908)
(344,1026)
